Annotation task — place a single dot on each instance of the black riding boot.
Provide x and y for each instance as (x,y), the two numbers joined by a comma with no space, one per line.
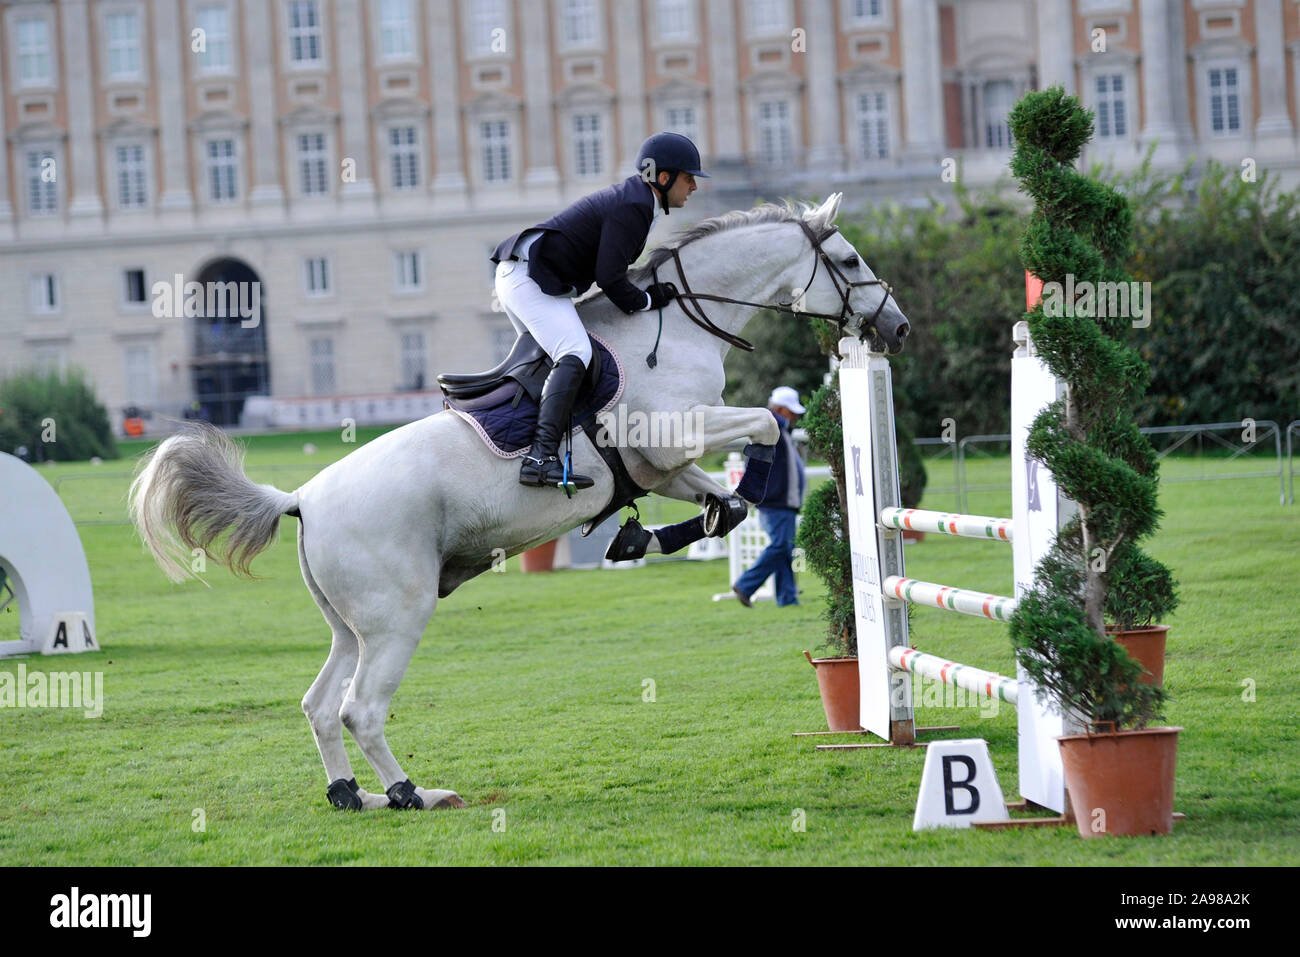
(542,466)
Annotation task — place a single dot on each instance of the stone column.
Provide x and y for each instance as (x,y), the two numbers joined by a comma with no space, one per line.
(83,159)
(1164,84)
(724,84)
(1056,44)
(630,70)
(1274,121)
(354,136)
(264,137)
(535,48)
(172,138)
(449,175)
(923,114)
(826,152)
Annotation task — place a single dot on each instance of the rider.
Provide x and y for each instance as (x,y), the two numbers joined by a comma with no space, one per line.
(594,240)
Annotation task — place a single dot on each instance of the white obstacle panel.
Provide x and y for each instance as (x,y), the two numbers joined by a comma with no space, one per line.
(882,589)
(1037,508)
(44,564)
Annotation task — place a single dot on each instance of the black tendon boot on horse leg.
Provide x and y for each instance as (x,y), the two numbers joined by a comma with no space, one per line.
(542,466)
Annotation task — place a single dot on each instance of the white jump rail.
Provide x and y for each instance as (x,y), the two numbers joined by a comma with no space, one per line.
(882,589)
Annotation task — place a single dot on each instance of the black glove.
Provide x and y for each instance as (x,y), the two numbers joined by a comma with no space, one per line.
(661,293)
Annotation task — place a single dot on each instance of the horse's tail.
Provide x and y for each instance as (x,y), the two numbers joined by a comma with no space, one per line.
(190,489)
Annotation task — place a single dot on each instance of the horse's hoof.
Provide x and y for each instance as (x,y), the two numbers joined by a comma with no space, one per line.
(440,799)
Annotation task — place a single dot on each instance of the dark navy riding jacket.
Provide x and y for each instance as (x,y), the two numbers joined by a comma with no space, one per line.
(594,240)
(785,482)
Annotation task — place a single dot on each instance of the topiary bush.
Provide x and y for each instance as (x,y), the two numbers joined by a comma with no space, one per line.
(1088,439)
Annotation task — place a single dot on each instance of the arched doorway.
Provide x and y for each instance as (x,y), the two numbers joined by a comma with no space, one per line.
(229,362)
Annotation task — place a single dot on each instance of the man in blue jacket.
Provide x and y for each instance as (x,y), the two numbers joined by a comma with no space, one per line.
(594,240)
(778,509)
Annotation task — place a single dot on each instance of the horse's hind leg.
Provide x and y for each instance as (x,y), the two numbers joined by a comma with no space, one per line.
(323,700)
(386,650)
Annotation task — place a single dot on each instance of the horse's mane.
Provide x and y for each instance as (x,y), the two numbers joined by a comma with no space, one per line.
(784,212)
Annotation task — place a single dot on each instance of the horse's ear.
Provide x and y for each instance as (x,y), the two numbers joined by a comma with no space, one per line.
(824,215)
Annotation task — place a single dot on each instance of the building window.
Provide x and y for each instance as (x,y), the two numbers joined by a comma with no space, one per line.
(1112,114)
(1225,101)
(863,12)
(503,340)
(50,359)
(131,172)
(775,137)
(133,287)
(322,366)
(578,22)
(413,366)
(407,267)
(494,136)
(304,31)
(486,17)
(586,144)
(683,120)
(873,125)
(222,170)
(404,153)
(316,275)
(215,24)
(395,29)
(767,16)
(311,164)
(45,293)
(674,18)
(123,45)
(34,52)
(141,376)
(999,97)
(42,187)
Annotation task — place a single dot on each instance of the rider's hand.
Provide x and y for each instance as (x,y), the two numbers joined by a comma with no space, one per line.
(661,293)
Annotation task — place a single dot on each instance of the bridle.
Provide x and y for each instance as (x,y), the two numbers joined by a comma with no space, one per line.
(843,285)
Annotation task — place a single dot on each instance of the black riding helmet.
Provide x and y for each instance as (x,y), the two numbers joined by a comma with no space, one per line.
(671,153)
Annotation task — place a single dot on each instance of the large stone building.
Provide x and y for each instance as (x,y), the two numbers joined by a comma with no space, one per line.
(358,158)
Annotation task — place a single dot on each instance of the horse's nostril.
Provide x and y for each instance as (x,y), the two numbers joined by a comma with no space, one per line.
(903,330)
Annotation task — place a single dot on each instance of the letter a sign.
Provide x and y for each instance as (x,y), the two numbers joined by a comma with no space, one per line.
(958,786)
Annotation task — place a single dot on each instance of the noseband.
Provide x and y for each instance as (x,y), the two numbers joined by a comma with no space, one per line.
(843,285)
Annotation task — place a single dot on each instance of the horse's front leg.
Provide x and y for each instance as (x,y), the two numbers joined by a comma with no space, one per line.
(710,427)
(723,511)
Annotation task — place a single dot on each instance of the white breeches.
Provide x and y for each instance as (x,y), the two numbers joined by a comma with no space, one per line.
(552,320)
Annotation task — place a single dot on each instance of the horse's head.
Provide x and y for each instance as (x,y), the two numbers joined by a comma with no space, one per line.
(843,284)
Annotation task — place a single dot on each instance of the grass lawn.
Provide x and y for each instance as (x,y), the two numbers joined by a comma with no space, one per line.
(528,696)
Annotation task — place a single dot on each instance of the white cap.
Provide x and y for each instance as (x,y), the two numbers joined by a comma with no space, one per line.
(788,397)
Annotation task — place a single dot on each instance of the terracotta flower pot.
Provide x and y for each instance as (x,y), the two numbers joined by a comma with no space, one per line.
(1121,783)
(837,679)
(1147,647)
(540,558)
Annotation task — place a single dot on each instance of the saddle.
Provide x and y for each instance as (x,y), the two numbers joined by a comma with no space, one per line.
(526,366)
(501,405)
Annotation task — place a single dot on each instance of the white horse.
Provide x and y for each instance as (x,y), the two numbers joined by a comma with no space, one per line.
(403,520)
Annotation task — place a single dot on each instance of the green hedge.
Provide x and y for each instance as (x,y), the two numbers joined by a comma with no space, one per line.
(57,417)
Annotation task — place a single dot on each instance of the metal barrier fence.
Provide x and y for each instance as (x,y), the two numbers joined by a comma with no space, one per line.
(93,502)
(1182,435)
(1291,430)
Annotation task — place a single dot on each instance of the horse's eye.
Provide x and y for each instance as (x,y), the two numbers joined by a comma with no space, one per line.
(852,262)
